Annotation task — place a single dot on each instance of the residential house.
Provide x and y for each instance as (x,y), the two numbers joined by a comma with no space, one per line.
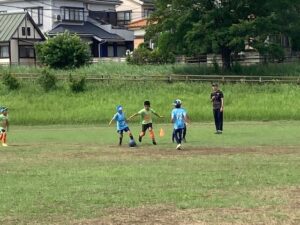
(80,17)
(135,14)
(138,27)
(18,35)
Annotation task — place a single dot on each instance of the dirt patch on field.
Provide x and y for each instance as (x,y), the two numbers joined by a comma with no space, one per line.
(284,214)
(150,152)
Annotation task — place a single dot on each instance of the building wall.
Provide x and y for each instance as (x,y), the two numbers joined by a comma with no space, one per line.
(128,5)
(136,8)
(138,41)
(14,50)
(4,61)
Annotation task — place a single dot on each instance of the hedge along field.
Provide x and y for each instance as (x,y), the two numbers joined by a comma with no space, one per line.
(30,105)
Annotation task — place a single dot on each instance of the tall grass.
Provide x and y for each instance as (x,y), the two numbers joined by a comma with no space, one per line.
(115,69)
(31,105)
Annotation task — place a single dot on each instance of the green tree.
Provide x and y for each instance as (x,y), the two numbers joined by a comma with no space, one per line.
(64,51)
(195,27)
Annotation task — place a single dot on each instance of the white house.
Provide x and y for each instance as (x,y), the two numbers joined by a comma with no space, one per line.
(80,17)
(18,34)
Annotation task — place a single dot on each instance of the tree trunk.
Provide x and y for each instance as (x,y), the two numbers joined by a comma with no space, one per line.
(226,57)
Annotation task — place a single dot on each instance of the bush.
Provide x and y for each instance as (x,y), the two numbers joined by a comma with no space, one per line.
(64,51)
(77,85)
(10,82)
(143,55)
(47,80)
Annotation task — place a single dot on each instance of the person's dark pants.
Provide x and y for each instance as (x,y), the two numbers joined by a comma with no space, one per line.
(218,115)
(183,133)
(178,135)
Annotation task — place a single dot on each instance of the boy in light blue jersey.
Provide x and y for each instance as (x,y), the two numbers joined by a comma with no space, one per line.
(122,126)
(179,119)
(184,130)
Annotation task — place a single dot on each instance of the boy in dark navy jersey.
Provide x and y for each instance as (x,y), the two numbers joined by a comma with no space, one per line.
(217,99)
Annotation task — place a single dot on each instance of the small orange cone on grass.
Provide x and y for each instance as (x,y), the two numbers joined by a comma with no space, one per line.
(161,132)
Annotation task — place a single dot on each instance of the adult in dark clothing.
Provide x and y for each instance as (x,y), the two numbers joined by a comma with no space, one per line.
(217,99)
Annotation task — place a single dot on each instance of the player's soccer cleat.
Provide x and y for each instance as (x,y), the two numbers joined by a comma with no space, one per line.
(4,145)
(154,142)
(178,147)
(140,139)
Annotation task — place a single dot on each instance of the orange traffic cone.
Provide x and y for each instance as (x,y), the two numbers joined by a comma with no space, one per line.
(161,132)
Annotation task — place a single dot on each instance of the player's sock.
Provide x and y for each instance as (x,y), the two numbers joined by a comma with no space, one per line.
(3,138)
(120,139)
(151,133)
(173,136)
(152,136)
(142,134)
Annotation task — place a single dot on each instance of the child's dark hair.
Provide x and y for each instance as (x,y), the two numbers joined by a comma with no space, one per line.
(147,103)
(177,106)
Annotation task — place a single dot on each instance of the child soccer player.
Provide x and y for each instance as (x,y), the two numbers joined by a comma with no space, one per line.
(122,126)
(146,115)
(178,118)
(3,125)
(183,132)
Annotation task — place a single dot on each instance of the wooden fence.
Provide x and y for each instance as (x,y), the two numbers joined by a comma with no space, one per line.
(176,78)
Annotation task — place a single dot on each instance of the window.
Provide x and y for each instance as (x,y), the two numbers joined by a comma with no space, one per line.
(36,14)
(124,18)
(23,31)
(72,14)
(28,31)
(27,51)
(147,13)
(4,51)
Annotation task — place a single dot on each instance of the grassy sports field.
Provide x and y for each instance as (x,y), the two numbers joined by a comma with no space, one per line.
(69,174)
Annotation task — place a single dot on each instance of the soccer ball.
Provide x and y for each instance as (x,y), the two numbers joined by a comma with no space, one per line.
(132,143)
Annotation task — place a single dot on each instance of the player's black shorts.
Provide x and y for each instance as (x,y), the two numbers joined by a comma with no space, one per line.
(146,126)
(126,129)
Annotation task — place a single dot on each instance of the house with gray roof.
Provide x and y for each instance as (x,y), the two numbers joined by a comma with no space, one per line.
(18,35)
(90,19)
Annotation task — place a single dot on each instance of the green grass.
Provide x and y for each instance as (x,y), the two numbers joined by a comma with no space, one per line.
(31,106)
(114,69)
(61,174)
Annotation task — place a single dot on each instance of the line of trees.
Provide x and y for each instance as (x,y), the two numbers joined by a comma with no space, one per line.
(226,27)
